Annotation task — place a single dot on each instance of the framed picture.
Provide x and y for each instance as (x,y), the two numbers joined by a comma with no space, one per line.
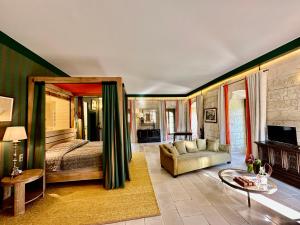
(210,115)
(149,116)
(94,105)
(6,108)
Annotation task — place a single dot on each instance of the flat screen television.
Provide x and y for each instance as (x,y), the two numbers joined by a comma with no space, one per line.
(282,134)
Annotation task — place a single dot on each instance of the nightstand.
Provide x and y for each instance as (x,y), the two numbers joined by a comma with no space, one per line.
(27,187)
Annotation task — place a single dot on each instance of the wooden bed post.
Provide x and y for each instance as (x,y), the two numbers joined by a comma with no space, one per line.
(72,112)
(120,97)
(29,112)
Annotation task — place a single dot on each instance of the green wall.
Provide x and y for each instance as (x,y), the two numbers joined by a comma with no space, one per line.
(16,64)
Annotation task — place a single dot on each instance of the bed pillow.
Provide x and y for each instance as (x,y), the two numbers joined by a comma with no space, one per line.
(191,146)
(68,146)
(180,146)
(201,144)
(213,145)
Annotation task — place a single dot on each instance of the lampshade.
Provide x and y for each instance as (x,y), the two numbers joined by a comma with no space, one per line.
(15,134)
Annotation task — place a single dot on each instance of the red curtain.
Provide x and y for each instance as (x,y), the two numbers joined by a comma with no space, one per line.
(190,113)
(227,125)
(248,124)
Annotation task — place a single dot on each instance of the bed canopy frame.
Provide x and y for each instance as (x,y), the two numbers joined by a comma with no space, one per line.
(53,137)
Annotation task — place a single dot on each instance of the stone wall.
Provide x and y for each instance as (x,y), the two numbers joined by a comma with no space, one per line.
(283,94)
(210,100)
(283,100)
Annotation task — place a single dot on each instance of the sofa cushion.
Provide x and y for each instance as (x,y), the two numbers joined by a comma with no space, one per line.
(213,145)
(171,149)
(191,146)
(225,148)
(180,146)
(201,154)
(199,160)
(201,144)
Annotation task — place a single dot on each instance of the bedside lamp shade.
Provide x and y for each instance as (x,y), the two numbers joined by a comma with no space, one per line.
(15,134)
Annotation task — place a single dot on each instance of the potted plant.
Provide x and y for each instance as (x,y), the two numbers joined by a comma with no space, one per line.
(249,163)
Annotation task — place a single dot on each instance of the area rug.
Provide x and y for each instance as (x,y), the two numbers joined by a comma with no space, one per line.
(89,203)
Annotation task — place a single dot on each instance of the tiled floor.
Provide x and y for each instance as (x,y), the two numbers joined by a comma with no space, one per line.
(200,198)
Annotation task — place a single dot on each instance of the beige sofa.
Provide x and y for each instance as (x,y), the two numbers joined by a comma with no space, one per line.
(185,156)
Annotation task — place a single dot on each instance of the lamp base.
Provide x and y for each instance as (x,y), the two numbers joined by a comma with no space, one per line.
(15,172)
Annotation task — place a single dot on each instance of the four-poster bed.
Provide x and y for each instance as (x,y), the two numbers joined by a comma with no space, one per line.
(116,149)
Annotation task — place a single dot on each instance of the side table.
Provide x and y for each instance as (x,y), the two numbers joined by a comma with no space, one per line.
(185,134)
(22,197)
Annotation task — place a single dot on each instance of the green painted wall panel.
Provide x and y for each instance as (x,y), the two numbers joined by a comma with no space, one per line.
(14,70)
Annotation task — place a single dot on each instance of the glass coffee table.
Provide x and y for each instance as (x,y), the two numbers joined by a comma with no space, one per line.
(227,175)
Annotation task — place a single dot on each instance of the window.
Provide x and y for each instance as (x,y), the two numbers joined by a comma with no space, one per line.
(171,120)
(194,120)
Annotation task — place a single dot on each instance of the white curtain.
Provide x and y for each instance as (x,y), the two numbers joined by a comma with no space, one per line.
(163,120)
(181,113)
(187,116)
(200,118)
(257,91)
(133,133)
(221,115)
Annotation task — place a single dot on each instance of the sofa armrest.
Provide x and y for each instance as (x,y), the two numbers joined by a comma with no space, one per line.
(225,148)
(166,152)
(168,160)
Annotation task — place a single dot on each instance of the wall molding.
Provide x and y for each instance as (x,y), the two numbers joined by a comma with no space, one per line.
(284,49)
(156,95)
(21,49)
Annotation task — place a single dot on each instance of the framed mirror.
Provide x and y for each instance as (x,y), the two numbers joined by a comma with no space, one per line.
(148,116)
(6,108)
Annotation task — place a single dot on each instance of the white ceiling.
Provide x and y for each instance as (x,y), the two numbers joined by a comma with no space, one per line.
(158,46)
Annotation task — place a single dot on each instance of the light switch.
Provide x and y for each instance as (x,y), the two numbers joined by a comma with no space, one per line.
(21,158)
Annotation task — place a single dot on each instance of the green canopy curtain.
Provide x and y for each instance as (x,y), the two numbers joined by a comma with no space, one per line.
(126,135)
(36,148)
(113,152)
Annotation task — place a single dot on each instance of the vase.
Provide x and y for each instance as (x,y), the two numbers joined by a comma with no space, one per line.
(263,179)
(256,167)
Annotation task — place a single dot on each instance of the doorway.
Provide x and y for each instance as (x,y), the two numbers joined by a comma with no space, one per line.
(238,122)
(92,127)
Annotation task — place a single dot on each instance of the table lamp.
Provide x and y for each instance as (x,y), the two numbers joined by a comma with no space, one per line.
(15,134)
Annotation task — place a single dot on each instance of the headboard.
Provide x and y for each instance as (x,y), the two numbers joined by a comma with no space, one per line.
(59,136)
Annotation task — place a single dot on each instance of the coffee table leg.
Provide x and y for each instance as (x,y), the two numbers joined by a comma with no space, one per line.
(249,203)
(19,199)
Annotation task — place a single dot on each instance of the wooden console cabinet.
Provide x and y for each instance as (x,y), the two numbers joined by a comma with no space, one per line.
(284,159)
(148,135)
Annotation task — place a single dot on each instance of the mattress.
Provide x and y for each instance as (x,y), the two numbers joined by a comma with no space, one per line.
(86,156)
(76,154)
